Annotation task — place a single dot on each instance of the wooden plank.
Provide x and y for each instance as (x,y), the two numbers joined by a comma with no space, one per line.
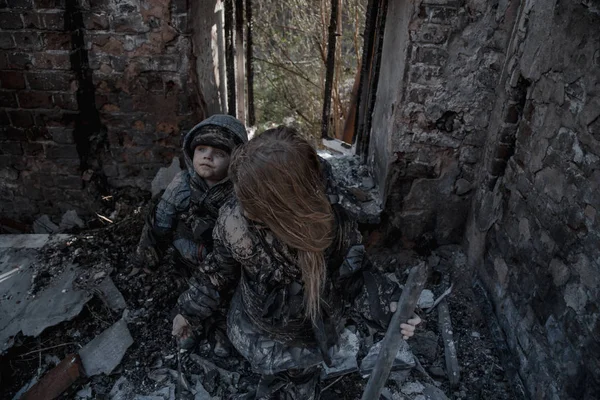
(445,325)
(393,337)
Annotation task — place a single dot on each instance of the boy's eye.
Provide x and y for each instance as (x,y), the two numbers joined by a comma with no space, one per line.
(220,154)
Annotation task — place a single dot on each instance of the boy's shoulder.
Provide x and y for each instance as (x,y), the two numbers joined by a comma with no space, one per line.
(178,191)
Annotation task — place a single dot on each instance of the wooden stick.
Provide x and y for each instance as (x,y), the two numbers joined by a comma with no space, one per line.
(442,296)
(393,337)
(449,347)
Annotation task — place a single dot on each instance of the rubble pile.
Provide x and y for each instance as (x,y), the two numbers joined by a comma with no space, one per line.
(113,339)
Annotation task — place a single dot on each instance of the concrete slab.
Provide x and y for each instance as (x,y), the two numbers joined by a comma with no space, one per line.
(111,295)
(344,360)
(22,312)
(404,358)
(104,353)
(33,241)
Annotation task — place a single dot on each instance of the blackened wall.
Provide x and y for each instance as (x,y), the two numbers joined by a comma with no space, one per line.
(93,94)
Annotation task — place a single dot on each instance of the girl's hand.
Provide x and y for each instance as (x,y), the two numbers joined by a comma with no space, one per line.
(408,329)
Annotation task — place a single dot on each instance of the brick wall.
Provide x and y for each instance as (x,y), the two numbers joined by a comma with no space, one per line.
(488,124)
(451,56)
(39,107)
(535,230)
(99,90)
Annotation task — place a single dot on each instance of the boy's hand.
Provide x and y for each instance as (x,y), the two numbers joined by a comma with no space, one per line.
(181,327)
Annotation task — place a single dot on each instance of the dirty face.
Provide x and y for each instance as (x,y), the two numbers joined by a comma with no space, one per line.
(211,163)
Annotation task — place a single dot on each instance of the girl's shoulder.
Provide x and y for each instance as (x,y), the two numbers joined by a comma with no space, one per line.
(233,228)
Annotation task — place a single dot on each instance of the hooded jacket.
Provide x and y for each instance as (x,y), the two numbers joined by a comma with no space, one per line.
(187,211)
(266,318)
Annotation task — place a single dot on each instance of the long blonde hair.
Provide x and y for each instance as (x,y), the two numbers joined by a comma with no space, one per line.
(277,179)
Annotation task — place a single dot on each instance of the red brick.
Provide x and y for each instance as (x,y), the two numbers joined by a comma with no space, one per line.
(430,34)
(8,99)
(11,148)
(62,135)
(12,80)
(4,120)
(37,133)
(12,133)
(52,4)
(61,151)
(10,20)
(441,15)
(32,20)
(95,21)
(21,118)
(33,148)
(431,55)
(179,6)
(54,21)
(19,60)
(28,41)
(66,101)
(6,41)
(58,81)
(52,60)
(56,118)
(19,3)
(30,99)
(57,40)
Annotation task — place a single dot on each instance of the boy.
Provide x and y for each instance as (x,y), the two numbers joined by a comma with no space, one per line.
(187,211)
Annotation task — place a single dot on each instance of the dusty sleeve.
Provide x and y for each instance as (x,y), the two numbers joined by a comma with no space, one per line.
(214,281)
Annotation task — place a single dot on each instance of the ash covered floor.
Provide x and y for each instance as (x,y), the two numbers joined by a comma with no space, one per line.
(113,320)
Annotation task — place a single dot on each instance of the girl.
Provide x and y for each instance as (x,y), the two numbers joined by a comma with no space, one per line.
(295,261)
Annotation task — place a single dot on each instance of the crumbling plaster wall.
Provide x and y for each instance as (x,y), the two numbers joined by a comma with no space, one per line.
(534,232)
(93,93)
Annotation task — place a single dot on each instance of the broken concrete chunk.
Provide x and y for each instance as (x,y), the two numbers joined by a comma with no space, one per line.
(44,225)
(85,393)
(58,302)
(201,393)
(166,393)
(344,360)
(164,176)
(159,375)
(70,220)
(404,358)
(121,390)
(433,393)
(412,388)
(425,344)
(105,352)
(367,183)
(111,295)
(426,299)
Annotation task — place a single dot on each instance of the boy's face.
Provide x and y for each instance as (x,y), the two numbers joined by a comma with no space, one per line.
(211,163)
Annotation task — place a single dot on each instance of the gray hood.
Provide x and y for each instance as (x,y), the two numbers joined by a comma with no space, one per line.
(227,122)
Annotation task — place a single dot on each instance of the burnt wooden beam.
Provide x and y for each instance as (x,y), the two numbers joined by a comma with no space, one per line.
(329,69)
